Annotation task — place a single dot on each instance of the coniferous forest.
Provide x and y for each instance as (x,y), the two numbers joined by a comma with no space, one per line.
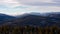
(29,30)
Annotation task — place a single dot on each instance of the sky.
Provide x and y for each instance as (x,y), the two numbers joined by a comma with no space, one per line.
(18,7)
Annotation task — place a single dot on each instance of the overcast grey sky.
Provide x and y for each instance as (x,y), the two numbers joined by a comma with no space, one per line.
(15,7)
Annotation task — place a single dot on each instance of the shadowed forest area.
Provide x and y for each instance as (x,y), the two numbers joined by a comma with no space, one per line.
(30,24)
(29,30)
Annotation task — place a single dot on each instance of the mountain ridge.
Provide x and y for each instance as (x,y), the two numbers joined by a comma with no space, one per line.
(36,20)
(4,17)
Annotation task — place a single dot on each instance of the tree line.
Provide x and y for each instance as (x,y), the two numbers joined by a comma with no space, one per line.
(29,30)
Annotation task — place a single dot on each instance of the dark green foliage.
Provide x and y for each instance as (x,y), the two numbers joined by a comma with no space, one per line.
(29,30)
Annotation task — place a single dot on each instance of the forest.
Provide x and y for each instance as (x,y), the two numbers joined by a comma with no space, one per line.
(6,29)
(30,24)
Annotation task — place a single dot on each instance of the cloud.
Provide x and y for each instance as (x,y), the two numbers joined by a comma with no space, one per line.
(23,6)
(58,1)
(13,14)
(29,1)
(17,3)
(9,3)
(2,7)
(48,9)
(40,2)
(43,4)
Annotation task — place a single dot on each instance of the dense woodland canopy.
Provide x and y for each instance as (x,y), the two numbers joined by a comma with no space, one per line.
(29,30)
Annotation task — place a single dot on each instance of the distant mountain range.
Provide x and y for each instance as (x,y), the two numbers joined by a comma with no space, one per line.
(32,19)
(4,17)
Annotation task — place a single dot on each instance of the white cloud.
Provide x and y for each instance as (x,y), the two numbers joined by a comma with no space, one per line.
(23,6)
(40,8)
(10,3)
(39,2)
(49,9)
(35,1)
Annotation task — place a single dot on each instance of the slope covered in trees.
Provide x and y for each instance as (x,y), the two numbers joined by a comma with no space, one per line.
(32,24)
